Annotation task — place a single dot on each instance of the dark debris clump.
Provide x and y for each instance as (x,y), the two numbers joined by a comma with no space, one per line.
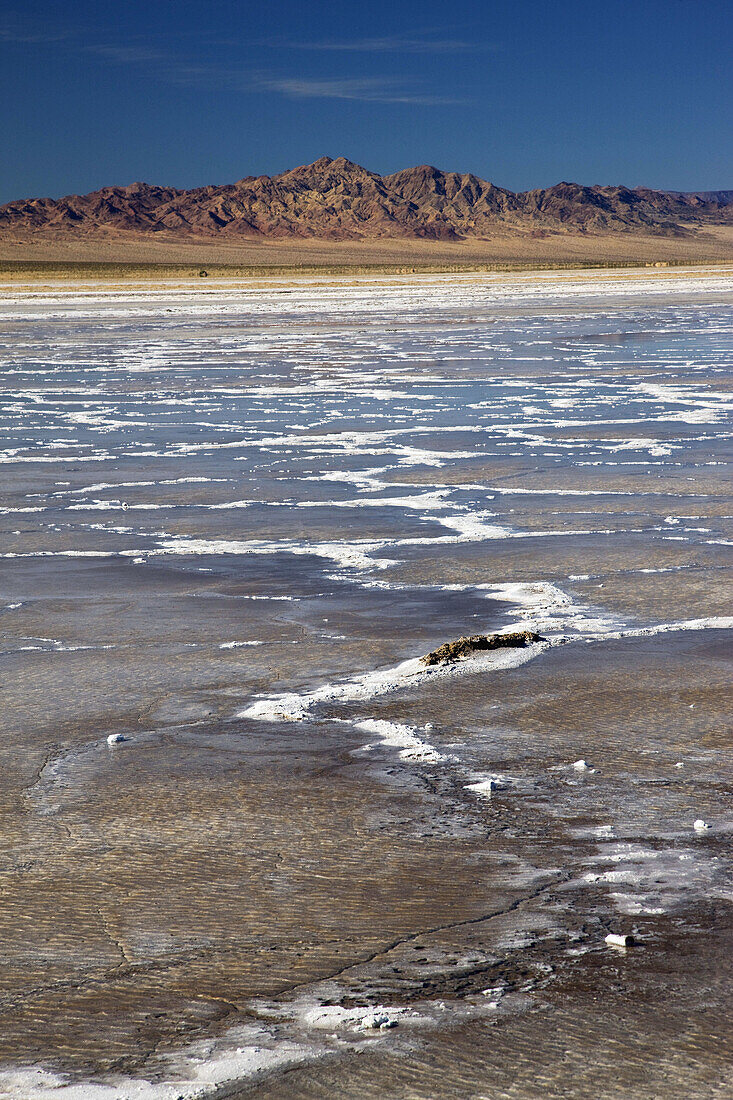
(463,647)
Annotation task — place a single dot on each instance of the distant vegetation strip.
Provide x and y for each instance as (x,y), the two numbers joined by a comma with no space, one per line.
(82,269)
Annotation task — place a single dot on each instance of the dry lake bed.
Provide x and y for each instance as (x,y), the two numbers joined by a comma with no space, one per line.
(251,846)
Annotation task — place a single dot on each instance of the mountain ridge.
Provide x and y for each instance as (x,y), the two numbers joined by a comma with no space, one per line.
(336,199)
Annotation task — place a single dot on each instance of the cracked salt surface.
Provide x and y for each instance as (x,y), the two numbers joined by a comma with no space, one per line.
(336,402)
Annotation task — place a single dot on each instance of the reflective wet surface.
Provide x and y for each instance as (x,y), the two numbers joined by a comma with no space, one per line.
(231,521)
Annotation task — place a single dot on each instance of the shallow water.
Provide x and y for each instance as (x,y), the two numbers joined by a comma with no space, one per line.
(232,519)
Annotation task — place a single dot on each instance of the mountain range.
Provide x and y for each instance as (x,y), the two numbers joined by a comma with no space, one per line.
(339,200)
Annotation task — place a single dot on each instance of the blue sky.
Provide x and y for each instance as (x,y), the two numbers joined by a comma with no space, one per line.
(186,92)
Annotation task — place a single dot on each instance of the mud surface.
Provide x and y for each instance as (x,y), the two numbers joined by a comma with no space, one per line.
(231,521)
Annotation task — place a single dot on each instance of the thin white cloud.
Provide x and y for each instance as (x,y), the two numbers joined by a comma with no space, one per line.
(18,36)
(388,44)
(126,55)
(371,90)
(176,70)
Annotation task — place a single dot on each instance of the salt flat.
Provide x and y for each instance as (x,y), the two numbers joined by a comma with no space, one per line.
(234,515)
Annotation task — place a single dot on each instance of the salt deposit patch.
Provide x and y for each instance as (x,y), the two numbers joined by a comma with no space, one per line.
(404,738)
(488,784)
(291,706)
(650,881)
